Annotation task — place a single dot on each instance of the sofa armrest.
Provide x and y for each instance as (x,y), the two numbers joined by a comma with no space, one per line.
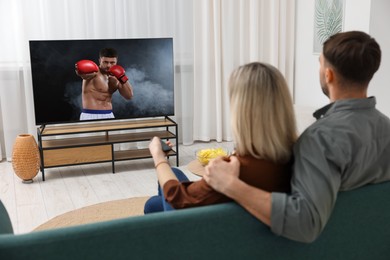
(5,221)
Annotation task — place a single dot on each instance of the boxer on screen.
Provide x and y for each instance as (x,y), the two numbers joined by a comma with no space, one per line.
(100,83)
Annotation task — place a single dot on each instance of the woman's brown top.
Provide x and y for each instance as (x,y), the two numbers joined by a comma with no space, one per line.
(259,173)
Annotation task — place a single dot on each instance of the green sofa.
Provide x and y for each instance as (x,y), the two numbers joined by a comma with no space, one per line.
(359,228)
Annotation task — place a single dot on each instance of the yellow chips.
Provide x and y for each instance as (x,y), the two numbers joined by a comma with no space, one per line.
(205,155)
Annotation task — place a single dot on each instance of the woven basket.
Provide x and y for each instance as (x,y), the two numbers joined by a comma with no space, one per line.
(25,157)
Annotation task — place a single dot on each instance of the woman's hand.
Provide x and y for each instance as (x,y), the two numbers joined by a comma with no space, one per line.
(164,171)
(156,150)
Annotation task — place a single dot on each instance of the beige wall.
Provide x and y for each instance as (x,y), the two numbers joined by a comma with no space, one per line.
(364,15)
(379,28)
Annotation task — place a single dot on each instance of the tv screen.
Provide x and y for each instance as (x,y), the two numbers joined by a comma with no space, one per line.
(72,78)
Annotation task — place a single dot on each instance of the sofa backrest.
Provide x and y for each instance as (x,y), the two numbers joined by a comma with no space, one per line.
(359,228)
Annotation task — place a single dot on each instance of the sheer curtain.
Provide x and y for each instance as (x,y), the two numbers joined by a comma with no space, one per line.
(229,33)
(26,20)
(211,37)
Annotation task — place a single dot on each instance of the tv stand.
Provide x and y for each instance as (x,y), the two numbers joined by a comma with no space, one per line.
(85,143)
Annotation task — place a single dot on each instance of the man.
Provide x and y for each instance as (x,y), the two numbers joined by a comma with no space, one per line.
(100,83)
(347,147)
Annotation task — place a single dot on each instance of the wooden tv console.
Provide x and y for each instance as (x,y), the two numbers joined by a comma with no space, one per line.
(84,143)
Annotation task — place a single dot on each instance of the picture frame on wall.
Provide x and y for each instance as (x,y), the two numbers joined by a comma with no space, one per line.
(328,20)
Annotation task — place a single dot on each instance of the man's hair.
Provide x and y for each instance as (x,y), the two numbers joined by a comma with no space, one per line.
(262,113)
(354,55)
(108,52)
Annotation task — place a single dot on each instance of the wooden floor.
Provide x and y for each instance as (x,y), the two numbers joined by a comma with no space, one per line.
(69,188)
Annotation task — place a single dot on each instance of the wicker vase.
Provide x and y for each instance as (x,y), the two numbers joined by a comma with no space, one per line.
(25,157)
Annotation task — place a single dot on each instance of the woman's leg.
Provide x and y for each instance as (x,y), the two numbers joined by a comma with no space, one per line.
(153,204)
(157,203)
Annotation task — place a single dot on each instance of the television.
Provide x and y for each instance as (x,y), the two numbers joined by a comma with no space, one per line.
(57,89)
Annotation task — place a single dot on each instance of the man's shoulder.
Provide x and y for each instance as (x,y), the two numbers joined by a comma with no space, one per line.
(325,130)
(320,126)
(343,127)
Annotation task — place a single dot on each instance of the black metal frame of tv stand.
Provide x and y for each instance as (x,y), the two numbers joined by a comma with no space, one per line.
(54,152)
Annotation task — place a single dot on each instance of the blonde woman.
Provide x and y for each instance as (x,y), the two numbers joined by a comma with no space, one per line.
(264,131)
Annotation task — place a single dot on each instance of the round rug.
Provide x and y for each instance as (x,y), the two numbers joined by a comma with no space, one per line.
(98,212)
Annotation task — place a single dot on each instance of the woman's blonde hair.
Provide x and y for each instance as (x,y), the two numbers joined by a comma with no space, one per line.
(263,121)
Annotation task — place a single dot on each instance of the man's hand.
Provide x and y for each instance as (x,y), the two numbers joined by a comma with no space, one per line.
(86,69)
(119,73)
(221,174)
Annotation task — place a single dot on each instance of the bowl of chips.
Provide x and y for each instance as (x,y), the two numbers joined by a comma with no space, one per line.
(205,155)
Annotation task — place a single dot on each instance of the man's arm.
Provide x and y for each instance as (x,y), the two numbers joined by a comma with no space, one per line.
(126,90)
(303,214)
(223,177)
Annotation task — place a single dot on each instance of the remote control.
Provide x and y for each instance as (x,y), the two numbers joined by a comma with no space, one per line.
(165,147)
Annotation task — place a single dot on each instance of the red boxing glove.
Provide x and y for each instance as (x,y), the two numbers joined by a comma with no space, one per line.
(86,67)
(119,73)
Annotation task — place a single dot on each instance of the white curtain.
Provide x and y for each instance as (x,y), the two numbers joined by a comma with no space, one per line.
(211,37)
(229,33)
(25,20)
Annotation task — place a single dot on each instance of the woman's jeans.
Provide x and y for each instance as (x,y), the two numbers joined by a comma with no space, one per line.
(157,203)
